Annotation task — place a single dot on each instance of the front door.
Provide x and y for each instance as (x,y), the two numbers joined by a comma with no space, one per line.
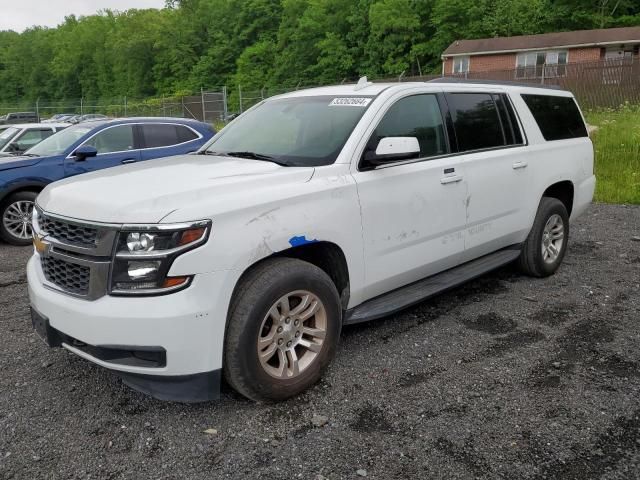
(115,145)
(413,212)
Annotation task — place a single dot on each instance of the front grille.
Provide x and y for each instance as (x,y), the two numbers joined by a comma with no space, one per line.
(70,233)
(65,275)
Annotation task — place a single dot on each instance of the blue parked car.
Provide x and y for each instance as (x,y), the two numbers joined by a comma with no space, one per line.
(84,148)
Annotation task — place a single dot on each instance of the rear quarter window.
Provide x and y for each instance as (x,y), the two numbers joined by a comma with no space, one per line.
(165,135)
(557,117)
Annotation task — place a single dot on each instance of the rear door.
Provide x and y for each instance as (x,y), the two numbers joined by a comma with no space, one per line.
(413,212)
(116,145)
(490,142)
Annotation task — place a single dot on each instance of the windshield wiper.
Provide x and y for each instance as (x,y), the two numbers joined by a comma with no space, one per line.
(257,156)
(248,155)
(26,155)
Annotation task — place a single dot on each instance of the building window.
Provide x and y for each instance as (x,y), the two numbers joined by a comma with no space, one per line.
(542,64)
(460,65)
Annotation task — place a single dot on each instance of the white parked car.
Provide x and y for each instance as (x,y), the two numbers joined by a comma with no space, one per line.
(17,139)
(313,210)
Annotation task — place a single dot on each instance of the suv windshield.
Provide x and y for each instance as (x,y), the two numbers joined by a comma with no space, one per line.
(6,135)
(299,131)
(58,143)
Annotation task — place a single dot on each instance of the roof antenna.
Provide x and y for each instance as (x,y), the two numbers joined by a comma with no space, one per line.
(362,83)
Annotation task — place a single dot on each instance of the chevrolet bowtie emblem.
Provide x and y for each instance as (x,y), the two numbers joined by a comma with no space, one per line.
(40,245)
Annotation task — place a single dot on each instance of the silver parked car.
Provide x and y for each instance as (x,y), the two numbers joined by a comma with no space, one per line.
(16,139)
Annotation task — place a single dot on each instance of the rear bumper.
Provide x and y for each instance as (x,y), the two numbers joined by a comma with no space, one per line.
(169,346)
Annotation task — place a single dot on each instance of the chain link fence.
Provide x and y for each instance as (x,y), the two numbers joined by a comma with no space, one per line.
(603,84)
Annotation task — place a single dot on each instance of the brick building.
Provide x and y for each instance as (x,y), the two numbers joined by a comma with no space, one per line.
(542,56)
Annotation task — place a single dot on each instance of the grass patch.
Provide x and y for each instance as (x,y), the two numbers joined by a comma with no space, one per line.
(617,145)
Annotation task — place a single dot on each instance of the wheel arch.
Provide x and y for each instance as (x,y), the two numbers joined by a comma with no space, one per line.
(35,187)
(327,256)
(563,191)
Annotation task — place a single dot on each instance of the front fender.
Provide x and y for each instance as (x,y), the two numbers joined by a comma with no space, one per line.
(323,209)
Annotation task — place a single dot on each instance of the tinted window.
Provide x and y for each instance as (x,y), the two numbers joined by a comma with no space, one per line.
(508,120)
(163,135)
(114,139)
(476,121)
(416,116)
(185,134)
(557,117)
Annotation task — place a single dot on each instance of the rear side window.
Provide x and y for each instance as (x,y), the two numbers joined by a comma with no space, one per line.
(164,135)
(185,134)
(509,120)
(476,121)
(557,117)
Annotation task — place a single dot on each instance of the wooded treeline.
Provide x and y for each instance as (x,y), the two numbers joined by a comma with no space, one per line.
(256,43)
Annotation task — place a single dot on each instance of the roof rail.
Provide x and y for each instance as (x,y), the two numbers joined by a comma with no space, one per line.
(492,82)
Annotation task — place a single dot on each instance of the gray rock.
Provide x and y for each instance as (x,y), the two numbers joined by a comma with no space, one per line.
(319,420)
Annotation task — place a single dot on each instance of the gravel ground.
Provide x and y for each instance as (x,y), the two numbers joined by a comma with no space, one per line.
(507,377)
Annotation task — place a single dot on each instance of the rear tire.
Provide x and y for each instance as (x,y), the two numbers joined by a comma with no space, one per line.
(283,329)
(547,242)
(15,218)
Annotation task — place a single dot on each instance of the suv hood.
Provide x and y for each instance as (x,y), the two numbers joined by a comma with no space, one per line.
(148,191)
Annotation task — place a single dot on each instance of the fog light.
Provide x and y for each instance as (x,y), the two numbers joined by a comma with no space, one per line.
(143,270)
(140,242)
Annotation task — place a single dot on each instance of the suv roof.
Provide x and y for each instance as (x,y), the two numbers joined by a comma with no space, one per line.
(374,89)
(504,83)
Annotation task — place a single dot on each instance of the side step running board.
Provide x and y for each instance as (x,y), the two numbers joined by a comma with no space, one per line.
(404,297)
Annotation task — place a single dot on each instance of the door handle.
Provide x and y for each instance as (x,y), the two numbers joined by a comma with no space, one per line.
(518,165)
(450,179)
(128,160)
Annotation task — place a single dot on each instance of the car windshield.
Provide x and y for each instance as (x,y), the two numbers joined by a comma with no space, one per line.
(298,131)
(6,135)
(58,143)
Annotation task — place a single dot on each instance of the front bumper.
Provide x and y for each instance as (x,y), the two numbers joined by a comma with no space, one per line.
(183,331)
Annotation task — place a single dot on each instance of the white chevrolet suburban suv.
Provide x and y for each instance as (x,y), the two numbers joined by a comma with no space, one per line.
(313,210)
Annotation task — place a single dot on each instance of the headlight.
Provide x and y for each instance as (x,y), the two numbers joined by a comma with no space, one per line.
(144,256)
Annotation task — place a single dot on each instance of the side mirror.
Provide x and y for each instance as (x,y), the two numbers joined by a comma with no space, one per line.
(84,152)
(393,149)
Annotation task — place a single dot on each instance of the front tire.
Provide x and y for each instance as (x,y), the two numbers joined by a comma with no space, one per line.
(283,329)
(15,218)
(547,242)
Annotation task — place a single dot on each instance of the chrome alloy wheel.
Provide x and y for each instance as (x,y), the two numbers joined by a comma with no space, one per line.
(552,238)
(17,219)
(292,334)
